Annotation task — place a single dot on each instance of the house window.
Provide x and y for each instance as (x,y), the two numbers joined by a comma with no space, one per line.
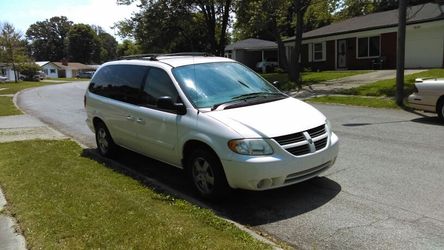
(369,47)
(52,71)
(317,52)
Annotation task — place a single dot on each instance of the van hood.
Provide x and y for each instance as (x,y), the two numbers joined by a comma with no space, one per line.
(270,119)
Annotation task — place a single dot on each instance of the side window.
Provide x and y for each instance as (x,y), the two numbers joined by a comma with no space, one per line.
(120,82)
(158,83)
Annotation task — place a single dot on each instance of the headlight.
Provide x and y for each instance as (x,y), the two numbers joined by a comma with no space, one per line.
(328,125)
(250,147)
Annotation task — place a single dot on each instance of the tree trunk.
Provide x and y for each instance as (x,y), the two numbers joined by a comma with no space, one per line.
(225,18)
(283,63)
(295,66)
(400,53)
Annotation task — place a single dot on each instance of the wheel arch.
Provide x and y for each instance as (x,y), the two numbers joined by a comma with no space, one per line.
(96,120)
(192,144)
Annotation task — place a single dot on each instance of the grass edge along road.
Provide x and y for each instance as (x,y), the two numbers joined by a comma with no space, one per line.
(8,107)
(377,95)
(64,200)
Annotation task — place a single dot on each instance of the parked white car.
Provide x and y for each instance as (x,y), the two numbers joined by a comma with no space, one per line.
(3,78)
(428,96)
(267,65)
(215,118)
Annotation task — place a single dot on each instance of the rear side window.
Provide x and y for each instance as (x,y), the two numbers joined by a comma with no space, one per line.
(158,83)
(120,82)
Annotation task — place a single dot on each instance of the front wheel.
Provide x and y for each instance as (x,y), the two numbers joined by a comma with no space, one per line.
(207,174)
(105,143)
(440,109)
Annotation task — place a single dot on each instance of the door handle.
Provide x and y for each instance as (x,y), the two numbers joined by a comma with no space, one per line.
(130,118)
(140,120)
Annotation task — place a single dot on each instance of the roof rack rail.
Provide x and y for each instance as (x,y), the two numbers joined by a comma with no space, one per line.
(153,57)
(188,54)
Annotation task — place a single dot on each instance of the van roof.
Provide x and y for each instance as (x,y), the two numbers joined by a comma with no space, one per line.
(174,60)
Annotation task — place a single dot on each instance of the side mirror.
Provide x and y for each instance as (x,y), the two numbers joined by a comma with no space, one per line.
(165,102)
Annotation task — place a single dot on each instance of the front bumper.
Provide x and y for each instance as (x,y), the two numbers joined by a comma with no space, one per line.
(280,169)
(416,101)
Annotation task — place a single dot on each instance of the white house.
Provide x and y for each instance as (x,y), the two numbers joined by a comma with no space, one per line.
(63,69)
(50,69)
(6,70)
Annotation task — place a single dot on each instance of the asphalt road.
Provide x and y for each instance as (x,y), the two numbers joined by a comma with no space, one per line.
(385,191)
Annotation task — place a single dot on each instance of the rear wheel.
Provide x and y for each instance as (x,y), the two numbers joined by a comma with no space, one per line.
(207,174)
(440,109)
(105,143)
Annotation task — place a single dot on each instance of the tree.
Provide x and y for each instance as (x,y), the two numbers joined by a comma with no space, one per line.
(128,47)
(83,44)
(48,38)
(175,25)
(108,47)
(12,47)
(300,6)
(264,19)
(400,52)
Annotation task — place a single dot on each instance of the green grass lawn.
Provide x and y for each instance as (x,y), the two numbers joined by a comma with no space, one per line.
(70,79)
(65,201)
(7,106)
(388,87)
(356,101)
(311,77)
(12,87)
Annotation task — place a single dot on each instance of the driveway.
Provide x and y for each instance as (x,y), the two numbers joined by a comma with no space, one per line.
(385,191)
(336,85)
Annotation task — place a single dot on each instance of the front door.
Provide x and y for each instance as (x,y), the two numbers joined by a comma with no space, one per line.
(342,54)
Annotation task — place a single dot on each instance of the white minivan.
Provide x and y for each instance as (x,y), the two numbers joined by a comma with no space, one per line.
(217,119)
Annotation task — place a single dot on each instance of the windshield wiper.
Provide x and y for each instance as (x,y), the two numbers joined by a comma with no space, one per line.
(256,94)
(244,97)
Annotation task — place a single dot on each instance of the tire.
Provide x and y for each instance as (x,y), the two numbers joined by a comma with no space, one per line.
(207,175)
(440,109)
(105,143)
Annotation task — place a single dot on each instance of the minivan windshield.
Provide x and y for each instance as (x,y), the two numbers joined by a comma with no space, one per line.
(209,85)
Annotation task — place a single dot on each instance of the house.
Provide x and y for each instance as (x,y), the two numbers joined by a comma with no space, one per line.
(64,69)
(50,69)
(368,42)
(251,51)
(7,71)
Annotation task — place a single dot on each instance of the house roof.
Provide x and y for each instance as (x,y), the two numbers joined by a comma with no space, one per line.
(252,44)
(42,63)
(72,65)
(415,14)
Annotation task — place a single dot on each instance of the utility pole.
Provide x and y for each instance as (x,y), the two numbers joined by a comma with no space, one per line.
(400,52)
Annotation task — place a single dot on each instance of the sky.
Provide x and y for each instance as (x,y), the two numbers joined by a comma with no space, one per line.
(23,13)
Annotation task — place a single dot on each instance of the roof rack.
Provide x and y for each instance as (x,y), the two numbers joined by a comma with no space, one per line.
(153,57)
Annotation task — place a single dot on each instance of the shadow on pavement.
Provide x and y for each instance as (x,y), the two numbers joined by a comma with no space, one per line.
(245,207)
(429,120)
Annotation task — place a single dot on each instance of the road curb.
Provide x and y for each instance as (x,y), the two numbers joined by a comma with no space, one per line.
(10,237)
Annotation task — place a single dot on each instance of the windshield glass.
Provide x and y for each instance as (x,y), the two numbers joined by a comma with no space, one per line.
(210,84)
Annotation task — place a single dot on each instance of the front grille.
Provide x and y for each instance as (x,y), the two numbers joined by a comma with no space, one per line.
(289,139)
(315,132)
(298,143)
(301,150)
(321,143)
